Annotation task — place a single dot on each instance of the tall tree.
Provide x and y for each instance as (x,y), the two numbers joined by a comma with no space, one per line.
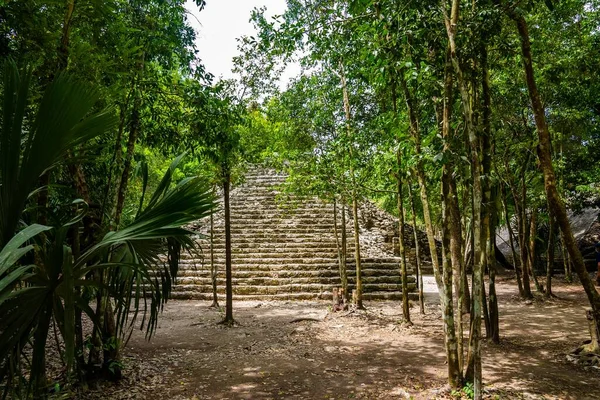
(217,116)
(544,152)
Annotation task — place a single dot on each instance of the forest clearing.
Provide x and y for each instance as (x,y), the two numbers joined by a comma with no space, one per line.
(361,354)
(272,199)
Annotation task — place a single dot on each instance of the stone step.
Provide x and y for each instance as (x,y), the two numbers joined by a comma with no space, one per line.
(287,288)
(277,221)
(281,260)
(383,287)
(258,265)
(300,270)
(299,219)
(279,228)
(366,273)
(365,263)
(379,281)
(281,237)
(280,251)
(325,296)
(248,208)
(260,252)
(389,296)
(245,216)
(278,246)
(276,242)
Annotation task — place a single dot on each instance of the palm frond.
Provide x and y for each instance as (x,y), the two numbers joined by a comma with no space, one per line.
(62,122)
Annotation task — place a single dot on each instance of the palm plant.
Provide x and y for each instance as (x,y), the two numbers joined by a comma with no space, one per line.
(39,269)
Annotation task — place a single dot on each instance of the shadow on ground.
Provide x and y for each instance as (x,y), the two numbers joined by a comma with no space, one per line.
(356,355)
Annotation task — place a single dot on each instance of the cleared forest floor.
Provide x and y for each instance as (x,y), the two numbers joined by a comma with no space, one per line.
(363,355)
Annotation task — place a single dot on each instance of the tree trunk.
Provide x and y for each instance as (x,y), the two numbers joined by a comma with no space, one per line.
(75,169)
(94,359)
(115,163)
(550,254)
(112,349)
(566,261)
(213,266)
(556,205)
(341,253)
(38,359)
(494,332)
(484,303)
(490,208)
(63,49)
(133,134)
(511,236)
(466,244)
(531,253)
(344,261)
(357,258)
(417,250)
(228,273)
(403,272)
(452,266)
(452,343)
(79,349)
(523,243)
(134,127)
(420,171)
(479,261)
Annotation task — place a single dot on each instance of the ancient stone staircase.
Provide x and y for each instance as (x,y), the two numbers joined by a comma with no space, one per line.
(280,252)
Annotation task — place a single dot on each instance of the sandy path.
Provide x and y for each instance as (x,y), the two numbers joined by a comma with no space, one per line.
(351,355)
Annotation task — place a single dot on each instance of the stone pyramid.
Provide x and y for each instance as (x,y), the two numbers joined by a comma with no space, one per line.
(281,253)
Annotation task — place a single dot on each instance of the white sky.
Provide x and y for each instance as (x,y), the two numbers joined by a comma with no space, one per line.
(220,23)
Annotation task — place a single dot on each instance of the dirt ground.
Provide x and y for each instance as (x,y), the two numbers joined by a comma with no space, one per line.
(347,355)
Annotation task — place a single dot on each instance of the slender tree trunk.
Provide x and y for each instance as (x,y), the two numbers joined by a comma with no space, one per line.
(455,252)
(466,243)
(213,266)
(452,343)
(79,358)
(566,261)
(133,134)
(228,272)
(75,169)
(134,127)
(38,365)
(420,172)
(454,272)
(417,250)
(524,244)
(63,49)
(357,258)
(489,222)
(403,272)
(557,207)
(111,353)
(344,248)
(494,332)
(115,163)
(511,236)
(484,304)
(94,359)
(531,254)
(341,253)
(550,254)
(479,261)
(454,373)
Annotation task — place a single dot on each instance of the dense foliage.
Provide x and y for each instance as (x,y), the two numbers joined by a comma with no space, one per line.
(463,116)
